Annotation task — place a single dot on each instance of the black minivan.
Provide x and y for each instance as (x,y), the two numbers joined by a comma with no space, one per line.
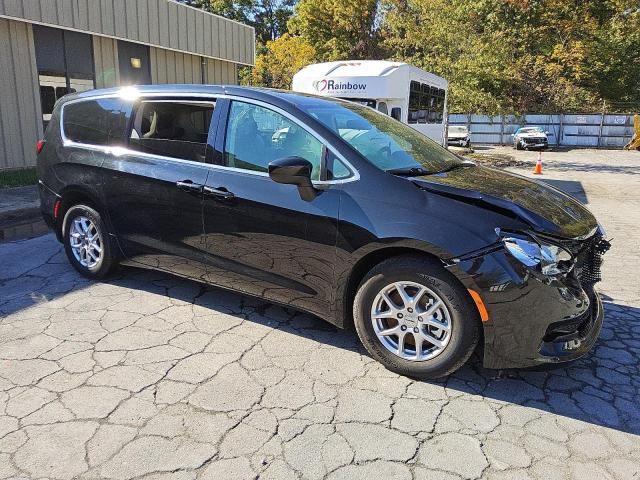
(329,207)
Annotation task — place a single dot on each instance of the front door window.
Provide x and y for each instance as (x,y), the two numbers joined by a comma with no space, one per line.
(257,136)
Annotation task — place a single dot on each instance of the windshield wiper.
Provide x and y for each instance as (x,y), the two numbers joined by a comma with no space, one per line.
(409,171)
(456,166)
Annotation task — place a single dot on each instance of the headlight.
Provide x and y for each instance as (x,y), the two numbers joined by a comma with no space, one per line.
(552,259)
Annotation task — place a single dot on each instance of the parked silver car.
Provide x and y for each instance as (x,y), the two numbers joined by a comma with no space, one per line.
(526,138)
(458,135)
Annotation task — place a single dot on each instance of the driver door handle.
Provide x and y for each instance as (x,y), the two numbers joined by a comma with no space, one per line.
(189,187)
(220,192)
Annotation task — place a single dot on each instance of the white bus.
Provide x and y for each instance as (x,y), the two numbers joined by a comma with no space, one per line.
(400,90)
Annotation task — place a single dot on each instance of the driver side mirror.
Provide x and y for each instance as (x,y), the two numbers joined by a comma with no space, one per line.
(294,171)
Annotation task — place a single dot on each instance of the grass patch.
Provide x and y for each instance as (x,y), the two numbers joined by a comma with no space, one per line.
(497,160)
(18,178)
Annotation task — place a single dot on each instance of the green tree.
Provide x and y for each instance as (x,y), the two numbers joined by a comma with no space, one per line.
(449,38)
(279,61)
(239,10)
(268,17)
(521,55)
(338,29)
(614,56)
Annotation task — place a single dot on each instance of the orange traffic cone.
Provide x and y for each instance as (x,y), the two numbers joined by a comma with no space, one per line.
(538,168)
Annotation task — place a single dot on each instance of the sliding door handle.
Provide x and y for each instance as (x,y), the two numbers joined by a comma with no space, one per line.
(189,187)
(220,192)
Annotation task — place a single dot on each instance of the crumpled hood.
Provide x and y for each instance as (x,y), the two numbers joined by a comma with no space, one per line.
(544,208)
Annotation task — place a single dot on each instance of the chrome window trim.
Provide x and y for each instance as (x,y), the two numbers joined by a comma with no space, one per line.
(142,96)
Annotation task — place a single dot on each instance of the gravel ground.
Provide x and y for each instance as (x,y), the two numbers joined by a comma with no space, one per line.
(151,376)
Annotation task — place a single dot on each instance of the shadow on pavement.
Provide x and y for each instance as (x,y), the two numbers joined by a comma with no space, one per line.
(600,389)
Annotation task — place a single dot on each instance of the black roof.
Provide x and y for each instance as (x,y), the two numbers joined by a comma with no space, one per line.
(281,98)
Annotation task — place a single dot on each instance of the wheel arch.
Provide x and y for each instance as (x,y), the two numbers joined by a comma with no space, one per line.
(74,195)
(363,265)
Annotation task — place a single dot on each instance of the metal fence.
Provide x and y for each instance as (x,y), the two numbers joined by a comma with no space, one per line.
(565,129)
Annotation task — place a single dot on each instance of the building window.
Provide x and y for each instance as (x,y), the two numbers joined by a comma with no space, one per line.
(134,64)
(65,65)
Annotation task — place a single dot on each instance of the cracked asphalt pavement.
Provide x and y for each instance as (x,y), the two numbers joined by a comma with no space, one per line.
(151,376)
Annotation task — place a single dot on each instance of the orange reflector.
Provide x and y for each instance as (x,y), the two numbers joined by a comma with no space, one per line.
(484,315)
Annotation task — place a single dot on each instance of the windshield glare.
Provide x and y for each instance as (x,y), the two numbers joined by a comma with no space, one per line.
(458,129)
(385,142)
(530,130)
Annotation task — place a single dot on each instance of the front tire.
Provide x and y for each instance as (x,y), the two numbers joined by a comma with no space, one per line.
(87,243)
(415,318)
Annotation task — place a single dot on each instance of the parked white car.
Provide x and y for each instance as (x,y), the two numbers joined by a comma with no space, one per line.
(526,138)
(458,135)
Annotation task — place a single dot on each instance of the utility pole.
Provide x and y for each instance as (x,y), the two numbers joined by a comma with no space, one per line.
(604,109)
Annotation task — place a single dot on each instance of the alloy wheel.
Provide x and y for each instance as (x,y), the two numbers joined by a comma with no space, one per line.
(411,321)
(85,241)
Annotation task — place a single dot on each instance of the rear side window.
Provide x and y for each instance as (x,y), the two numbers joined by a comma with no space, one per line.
(96,122)
(177,129)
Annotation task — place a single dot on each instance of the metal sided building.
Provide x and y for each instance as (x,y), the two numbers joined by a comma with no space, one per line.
(51,47)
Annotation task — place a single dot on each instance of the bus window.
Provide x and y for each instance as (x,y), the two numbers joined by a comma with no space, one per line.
(396,113)
(414,102)
(382,107)
(433,104)
(441,98)
(424,104)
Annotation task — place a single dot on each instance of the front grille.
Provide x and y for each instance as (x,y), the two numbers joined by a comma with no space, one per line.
(560,330)
(588,254)
(589,260)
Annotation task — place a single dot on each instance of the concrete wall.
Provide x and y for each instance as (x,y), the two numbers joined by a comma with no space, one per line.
(173,67)
(159,23)
(565,129)
(181,38)
(105,57)
(218,72)
(168,66)
(20,111)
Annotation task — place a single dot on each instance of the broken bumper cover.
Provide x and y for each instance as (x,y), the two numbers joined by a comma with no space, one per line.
(533,319)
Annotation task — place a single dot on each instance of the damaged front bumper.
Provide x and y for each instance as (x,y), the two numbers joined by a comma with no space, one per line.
(535,319)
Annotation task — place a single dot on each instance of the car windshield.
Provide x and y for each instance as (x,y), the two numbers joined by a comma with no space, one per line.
(457,129)
(530,130)
(385,142)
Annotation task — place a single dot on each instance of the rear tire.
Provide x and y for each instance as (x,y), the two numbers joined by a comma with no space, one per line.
(455,326)
(87,243)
